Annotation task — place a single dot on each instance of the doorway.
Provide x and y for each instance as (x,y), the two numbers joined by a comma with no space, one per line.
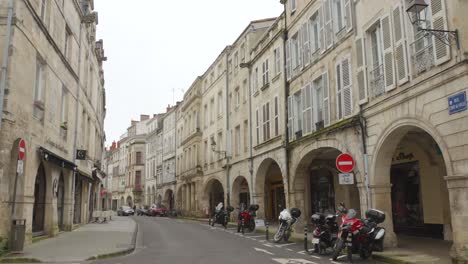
(39,202)
(60,202)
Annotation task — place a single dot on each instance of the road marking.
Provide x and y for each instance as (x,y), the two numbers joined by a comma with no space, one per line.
(254,236)
(334,262)
(342,256)
(284,245)
(288,249)
(264,251)
(293,261)
(315,257)
(262,241)
(301,252)
(268,245)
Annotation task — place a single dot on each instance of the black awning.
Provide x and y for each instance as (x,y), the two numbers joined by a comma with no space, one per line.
(49,156)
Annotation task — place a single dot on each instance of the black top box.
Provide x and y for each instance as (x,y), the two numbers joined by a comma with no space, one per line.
(375,216)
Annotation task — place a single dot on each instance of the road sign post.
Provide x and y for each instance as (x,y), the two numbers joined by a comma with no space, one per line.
(19,171)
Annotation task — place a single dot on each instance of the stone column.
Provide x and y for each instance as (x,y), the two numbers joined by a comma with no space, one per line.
(458,196)
(182,203)
(382,200)
(260,200)
(189,197)
(193,204)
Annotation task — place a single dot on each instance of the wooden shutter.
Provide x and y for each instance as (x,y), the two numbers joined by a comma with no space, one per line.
(439,22)
(348,14)
(306,46)
(288,59)
(306,110)
(290,118)
(339,91)
(401,61)
(347,87)
(361,71)
(389,75)
(300,43)
(328,31)
(326,100)
(321,18)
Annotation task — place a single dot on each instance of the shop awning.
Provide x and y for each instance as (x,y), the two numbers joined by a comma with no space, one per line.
(49,156)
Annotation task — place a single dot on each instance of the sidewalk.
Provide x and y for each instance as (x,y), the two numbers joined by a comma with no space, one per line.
(84,243)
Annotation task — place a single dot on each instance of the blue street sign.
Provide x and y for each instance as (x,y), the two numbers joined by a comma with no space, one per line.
(457,103)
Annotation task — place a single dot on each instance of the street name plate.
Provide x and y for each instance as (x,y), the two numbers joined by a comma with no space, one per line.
(346,178)
(20,167)
(259,222)
(457,103)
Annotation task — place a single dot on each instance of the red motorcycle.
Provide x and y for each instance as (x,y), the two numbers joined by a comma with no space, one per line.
(358,236)
(247,218)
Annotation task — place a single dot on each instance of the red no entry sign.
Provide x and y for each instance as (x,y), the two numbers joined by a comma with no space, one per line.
(345,163)
(21,149)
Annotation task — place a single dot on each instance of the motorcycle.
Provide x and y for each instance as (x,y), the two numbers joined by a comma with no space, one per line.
(246,218)
(358,236)
(221,216)
(286,219)
(325,233)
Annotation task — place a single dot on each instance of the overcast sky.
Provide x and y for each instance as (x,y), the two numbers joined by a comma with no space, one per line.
(155,47)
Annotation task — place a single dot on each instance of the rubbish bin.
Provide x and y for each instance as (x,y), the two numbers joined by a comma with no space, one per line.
(18,227)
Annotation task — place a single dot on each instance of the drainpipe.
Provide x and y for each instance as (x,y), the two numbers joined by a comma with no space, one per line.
(286,94)
(228,134)
(250,135)
(76,122)
(362,125)
(5,59)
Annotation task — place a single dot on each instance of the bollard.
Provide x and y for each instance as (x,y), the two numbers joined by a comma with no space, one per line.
(266,228)
(242,225)
(305,239)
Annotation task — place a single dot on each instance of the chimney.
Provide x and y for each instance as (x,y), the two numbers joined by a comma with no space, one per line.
(134,122)
(144,117)
(114,145)
(168,108)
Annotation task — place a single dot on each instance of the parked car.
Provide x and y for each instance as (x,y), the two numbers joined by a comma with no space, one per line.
(158,210)
(144,211)
(125,211)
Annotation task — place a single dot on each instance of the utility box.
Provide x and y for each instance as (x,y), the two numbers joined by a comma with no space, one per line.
(18,228)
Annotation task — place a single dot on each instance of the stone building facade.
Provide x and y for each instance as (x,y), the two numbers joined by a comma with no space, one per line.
(153,158)
(166,186)
(54,99)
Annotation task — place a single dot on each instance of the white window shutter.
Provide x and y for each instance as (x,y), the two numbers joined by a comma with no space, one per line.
(347,87)
(300,50)
(401,61)
(326,99)
(339,90)
(389,75)
(288,59)
(322,27)
(312,105)
(439,22)
(306,110)
(328,24)
(361,71)
(290,118)
(306,41)
(348,9)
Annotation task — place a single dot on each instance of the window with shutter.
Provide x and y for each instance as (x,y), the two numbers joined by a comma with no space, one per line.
(318,102)
(321,23)
(288,59)
(290,118)
(439,22)
(361,71)
(400,45)
(348,14)
(306,109)
(326,99)
(257,125)
(389,75)
(297,112)
(328,20)
(347,87)
(306,44)
(314,34)
(339,92)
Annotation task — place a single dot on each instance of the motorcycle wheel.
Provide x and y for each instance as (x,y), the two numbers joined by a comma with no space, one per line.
(213,221)
(365,253)
(317,249)
(239,226)
(279,234)
(337,248)
(287,234)
(225,222)
(252,225)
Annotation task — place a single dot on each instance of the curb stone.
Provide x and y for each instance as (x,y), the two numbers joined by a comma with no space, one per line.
(120,252)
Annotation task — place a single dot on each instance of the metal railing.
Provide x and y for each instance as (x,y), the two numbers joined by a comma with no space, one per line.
(422,54)
(376,81)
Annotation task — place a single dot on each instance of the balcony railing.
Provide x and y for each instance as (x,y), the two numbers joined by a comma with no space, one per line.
(376,81)
(422,55)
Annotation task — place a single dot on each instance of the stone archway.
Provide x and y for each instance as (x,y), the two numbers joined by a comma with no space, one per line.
(270,190)
(316,186)
(39,207)
(408,181)
(130,201)
(214,194)
(168,199)
(240,192)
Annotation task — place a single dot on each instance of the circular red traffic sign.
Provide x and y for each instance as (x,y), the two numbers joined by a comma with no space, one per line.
(345,163)
(21,149)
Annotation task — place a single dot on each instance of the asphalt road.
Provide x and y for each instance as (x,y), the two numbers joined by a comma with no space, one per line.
(176,241)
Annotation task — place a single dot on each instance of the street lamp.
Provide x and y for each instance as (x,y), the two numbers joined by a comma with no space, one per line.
(417,13)
(213,148)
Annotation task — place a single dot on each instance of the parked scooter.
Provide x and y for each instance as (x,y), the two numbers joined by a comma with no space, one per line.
(221,216)
(325,233)
(359,236)
(286,220)
(248,217)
